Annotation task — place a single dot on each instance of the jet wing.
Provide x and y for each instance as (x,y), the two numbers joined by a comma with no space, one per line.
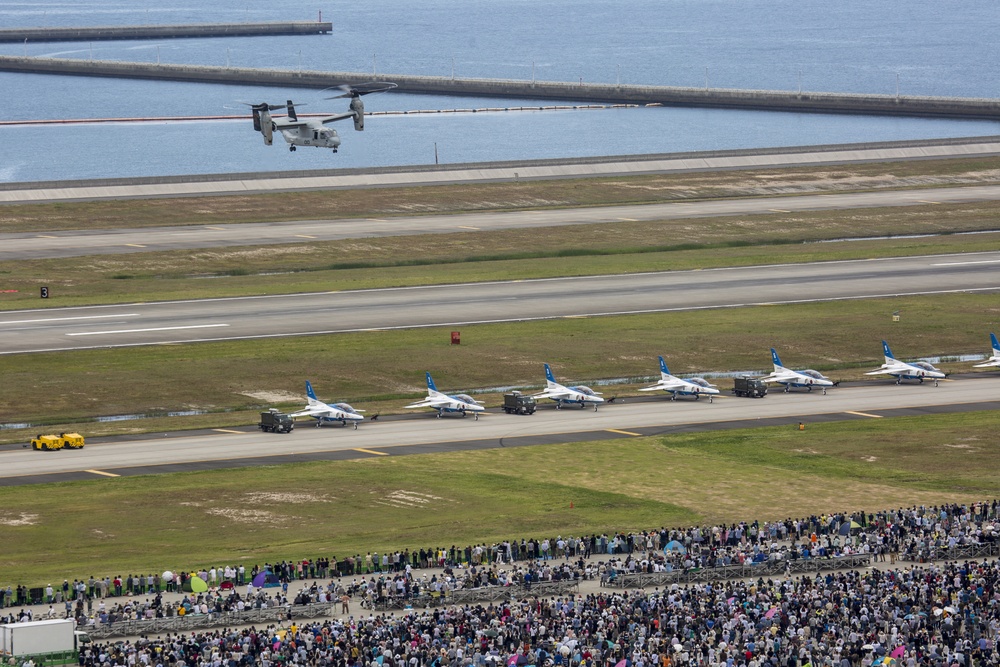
(662,386)
(312,411)
(428,403)
(549,394)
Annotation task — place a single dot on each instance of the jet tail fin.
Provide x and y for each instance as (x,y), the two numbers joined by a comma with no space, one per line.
(664,371)
(430,382)
(888,353)
(776,360)
(996,345)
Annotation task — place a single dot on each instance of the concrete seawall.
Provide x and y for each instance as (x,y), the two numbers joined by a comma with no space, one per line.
(769,100)
(164,31)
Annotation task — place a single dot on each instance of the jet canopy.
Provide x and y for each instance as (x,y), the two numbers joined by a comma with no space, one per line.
(584,390)
(701,382)
(465,398)
(813,374)
(924,365)
(344,407)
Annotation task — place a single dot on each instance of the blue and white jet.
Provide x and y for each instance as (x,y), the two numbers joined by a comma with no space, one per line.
(461,403)
(579,394)
(994,361)
(676,386)
(789,378)
(901,370)
(327,412)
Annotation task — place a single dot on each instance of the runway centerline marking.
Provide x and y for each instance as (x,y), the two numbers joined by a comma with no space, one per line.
(228,430)
(101,472)
(370,451)
(980,261)
(615,430)
(69,319)
(862,414)
(126,331)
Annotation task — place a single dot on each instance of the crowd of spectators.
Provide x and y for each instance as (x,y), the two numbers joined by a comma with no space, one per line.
(917,615)
(964,597)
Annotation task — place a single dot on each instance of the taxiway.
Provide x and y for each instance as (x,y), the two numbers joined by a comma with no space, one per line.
(228,448)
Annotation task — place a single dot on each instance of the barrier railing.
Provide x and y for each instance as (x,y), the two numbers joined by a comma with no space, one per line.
(746,571)
(188,622)
(960,552)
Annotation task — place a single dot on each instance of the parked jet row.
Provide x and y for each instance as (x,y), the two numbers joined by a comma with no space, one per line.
(901,370)
(676,386)
(789,378)
(461,403)
(584,396)
(562,395)
(327,412)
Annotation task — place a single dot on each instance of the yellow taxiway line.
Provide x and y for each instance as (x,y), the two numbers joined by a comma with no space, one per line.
(863,414)
(370,451)
(101,472)
(226,430)
(615,430)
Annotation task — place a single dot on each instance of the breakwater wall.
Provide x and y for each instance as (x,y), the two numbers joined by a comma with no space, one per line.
(164,31)
(767,100)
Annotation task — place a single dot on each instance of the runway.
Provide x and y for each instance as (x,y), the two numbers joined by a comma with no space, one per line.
(227,448)
(236,318)
(56,244)
(416,175)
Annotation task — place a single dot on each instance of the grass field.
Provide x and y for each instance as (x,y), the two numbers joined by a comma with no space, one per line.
(381,371)
(381,202)
(253,515)
(620,247)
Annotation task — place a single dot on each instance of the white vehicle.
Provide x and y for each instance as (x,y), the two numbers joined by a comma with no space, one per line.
(676,386)
(568,395)
(327,412)
(789,378)
(918,370)
(994,361)
(34,637)
(311,132)
(461,403)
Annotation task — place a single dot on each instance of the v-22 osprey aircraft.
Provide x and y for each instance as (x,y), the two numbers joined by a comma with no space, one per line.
(311,132)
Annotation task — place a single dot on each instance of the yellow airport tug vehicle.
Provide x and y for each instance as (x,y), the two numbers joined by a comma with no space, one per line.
(53,442)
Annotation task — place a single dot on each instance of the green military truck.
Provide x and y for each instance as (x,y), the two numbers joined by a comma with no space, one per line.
(516,403)
(274,421)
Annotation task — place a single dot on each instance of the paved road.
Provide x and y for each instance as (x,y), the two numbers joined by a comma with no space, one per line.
(452,305)
(228,184)
(120,241)
(229,448)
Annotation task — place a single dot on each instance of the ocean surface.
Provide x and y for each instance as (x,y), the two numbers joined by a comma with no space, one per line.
(919,46)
